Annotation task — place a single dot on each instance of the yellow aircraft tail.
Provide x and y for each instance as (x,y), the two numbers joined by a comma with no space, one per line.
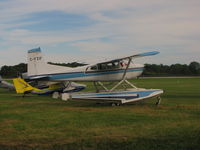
(22,86)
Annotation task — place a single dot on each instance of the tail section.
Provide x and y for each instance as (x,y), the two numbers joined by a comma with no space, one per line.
(36,63)
(21,86)
(38,66)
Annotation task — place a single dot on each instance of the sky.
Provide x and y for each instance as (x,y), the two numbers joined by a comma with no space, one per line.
(91,30)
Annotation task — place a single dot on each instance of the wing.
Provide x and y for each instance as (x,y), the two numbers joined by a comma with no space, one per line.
(123,58)
(131,57)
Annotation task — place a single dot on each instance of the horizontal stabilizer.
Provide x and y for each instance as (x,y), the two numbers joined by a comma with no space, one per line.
(38,78)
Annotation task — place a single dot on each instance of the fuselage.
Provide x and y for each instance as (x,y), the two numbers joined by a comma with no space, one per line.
(113,70)
(97,73)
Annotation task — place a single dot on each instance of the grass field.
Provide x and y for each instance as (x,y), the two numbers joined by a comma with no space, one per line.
(40,122)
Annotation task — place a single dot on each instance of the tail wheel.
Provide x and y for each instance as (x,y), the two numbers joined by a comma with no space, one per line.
(158,101)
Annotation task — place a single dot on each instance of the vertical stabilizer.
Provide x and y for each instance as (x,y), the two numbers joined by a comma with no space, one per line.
(36,63)
(21,86)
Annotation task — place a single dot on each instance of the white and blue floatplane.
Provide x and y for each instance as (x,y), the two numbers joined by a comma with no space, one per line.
(119,69)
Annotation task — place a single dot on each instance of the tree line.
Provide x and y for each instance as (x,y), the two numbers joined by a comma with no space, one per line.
(193,69)
(17,70)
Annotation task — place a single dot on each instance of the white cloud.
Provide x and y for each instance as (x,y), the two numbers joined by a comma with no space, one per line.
(96,46)
(169,26)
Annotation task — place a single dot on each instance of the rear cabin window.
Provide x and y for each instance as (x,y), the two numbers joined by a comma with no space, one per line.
(94,68)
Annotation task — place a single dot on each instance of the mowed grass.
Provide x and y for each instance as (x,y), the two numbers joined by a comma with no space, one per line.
(40,122)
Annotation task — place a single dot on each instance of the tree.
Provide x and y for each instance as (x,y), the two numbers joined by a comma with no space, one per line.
(194,68)
(13,71)
(179,69)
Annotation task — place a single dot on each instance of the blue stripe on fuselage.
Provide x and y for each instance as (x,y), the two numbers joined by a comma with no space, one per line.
(83,74)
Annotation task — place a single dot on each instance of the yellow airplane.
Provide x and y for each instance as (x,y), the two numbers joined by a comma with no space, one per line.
(23,87)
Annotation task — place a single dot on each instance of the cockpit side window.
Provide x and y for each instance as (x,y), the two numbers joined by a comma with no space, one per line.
(106,66)
(109,66)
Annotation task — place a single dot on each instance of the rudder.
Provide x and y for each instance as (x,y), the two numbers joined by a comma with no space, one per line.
(21,86)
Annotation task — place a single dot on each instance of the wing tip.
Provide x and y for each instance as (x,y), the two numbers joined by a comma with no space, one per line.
(149,53)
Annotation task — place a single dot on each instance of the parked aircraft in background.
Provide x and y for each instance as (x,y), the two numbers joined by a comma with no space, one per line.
(23,87)
(6,85)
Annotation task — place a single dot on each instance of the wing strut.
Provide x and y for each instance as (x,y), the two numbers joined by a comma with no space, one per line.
(125,71)
(119,83)
(124,80)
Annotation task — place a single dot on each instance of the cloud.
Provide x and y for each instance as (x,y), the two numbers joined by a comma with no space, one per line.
(127,26)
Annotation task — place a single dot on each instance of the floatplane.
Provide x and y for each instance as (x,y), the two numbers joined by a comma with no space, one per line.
(119,69)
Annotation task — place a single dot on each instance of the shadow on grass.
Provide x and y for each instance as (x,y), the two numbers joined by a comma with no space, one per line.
(93,104)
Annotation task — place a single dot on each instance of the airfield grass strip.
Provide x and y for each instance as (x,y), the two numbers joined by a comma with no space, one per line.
(40,122)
